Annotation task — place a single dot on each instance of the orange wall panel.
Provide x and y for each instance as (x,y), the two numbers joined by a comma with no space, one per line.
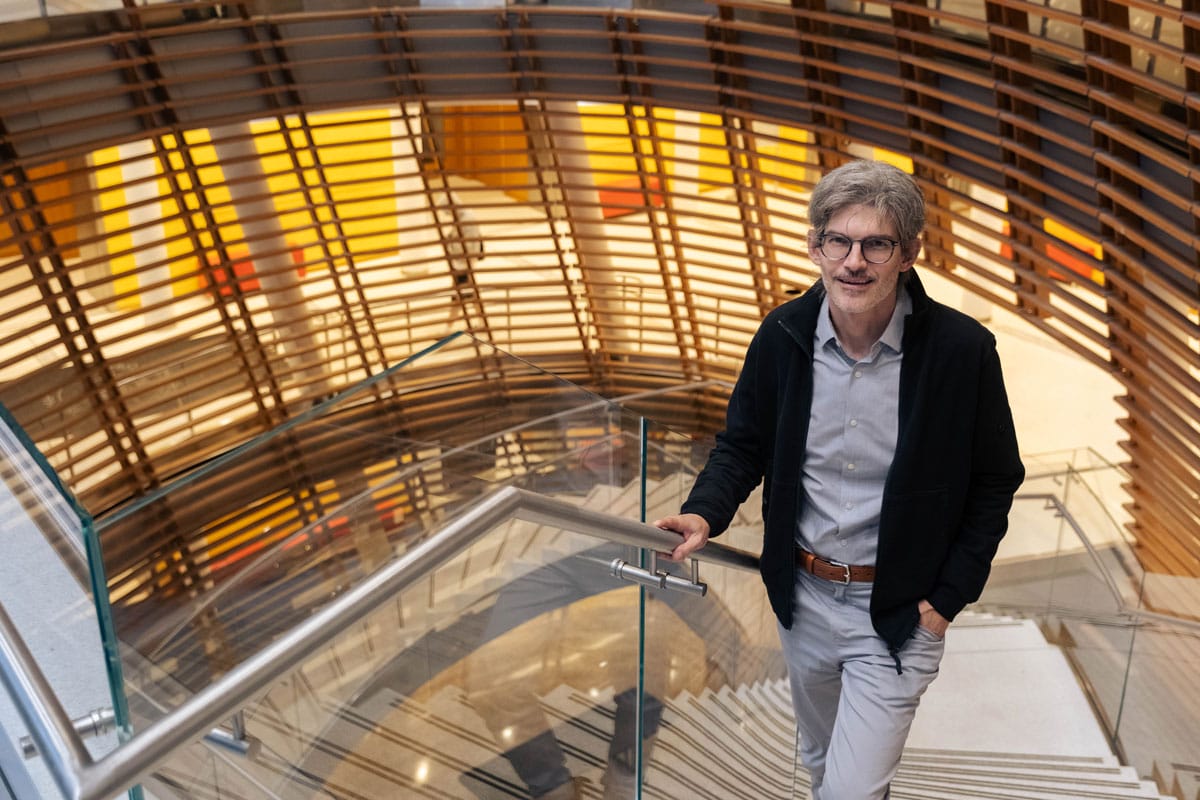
(486,143)
(52,188)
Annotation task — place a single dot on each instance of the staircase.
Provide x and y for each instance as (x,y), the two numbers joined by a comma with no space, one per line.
(728,744)
(1160,717)
(960,775)
(1006,720)
(721,743)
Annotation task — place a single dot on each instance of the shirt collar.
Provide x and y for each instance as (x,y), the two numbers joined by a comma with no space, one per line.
(825,332)
(892,335)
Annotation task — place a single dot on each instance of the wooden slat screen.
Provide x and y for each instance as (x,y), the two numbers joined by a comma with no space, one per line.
(635,178)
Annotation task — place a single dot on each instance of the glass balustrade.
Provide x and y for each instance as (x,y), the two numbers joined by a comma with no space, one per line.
(1131,636)
(523,613)
(1158,727)
(522,664)
(47,596)
(712,669)
(518,659)
(1069,514)
(507,669)
(1045,567)
(522,649)
(1043,564)
(276,528)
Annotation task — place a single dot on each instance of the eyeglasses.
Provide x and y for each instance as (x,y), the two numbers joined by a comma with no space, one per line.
(875,249)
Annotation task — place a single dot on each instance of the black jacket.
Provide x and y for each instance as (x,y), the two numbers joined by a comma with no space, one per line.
(950,486)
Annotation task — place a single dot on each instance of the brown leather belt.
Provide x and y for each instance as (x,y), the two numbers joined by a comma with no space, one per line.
(833,570)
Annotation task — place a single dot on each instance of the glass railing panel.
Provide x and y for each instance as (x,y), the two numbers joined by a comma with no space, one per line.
(1091,495)
(46,591)
(1070,561)
(1158,730)
(1063,552)
(272,532)
(714,679)
(1094,495)
(1098,650)
(509,669)
(201,770)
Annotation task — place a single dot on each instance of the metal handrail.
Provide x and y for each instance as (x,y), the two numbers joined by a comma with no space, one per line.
(1133,614)
(467,447)
(80,777)
(1061,510)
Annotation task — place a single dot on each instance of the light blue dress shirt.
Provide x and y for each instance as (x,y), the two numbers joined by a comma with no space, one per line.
(851,441)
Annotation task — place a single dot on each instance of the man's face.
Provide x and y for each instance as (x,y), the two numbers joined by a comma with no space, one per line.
(855,285)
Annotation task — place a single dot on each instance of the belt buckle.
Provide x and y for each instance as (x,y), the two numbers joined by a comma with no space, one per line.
(845,581)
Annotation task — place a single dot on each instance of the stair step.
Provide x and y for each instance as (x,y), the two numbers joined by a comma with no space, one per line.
(730,743)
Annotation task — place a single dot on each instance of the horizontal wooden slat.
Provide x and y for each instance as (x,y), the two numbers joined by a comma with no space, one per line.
(392,140)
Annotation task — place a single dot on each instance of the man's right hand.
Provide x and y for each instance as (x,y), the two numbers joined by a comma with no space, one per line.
(692,527)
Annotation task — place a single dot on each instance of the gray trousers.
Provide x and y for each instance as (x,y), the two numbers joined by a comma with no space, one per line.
(853,711)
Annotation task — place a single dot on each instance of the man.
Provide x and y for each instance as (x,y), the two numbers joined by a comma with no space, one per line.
(878,421)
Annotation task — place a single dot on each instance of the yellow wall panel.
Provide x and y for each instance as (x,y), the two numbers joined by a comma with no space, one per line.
(714,157)
(784,157)
(354,193)
(606,137)
(359,158)
(895,159)
(113,220)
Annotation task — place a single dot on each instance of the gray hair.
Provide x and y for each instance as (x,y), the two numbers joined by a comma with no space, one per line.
(889,190)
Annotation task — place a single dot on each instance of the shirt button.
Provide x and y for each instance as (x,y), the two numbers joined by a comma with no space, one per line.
(850,466)
(858,373)
(853,423)
(848,506)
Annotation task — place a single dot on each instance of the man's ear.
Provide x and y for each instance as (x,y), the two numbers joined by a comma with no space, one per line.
(910,251)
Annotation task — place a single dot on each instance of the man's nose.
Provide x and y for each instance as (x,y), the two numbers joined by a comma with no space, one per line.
(855,256)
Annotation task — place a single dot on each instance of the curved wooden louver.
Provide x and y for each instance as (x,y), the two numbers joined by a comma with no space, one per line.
(635,178)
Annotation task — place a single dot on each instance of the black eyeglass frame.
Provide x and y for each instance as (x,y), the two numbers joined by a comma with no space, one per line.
(861,248)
